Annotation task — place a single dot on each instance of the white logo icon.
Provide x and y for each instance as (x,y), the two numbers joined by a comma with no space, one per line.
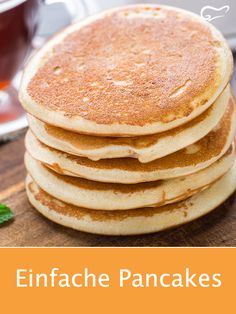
(210,13)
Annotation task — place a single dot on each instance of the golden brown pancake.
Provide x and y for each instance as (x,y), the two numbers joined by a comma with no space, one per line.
(136,221)
(115,196)
(135,70)
(144,148)
(129,170)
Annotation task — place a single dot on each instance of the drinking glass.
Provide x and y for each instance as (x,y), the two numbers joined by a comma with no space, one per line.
(19,20)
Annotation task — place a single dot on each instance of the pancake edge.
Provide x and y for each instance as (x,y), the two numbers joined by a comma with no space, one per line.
(156,150)
(108,196)
(202,203)
(57,161)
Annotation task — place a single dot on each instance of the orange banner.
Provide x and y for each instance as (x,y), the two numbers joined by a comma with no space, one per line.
(117,280)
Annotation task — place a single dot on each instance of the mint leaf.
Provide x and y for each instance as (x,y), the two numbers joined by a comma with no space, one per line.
(5,213)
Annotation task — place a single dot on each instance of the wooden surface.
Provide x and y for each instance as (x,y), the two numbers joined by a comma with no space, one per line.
(29,228)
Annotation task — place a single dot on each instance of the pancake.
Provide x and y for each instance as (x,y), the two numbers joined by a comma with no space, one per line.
(129,170)
(136,221)
(156,68)
(145,148)
(115,196)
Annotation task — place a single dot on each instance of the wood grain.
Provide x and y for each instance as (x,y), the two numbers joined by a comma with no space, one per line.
(29,228)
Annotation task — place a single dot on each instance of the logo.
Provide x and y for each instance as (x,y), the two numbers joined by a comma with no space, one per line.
(210,13)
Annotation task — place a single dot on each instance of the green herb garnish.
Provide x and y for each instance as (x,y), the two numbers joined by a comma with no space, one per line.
(5,213)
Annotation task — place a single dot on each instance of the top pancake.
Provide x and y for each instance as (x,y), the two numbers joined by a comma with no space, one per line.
(134,70)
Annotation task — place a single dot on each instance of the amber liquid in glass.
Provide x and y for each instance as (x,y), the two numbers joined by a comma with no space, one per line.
(18,22)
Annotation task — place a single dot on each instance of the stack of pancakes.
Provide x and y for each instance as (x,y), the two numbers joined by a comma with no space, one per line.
(132,122)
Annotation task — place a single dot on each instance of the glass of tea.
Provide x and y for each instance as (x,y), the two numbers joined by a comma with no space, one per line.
(19,20)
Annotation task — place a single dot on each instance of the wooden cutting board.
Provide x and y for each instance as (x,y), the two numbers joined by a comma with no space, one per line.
(29,228)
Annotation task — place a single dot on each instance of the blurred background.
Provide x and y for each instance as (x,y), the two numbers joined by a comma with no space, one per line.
(26,24)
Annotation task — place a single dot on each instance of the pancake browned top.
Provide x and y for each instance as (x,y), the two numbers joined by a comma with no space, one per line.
(131,68)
